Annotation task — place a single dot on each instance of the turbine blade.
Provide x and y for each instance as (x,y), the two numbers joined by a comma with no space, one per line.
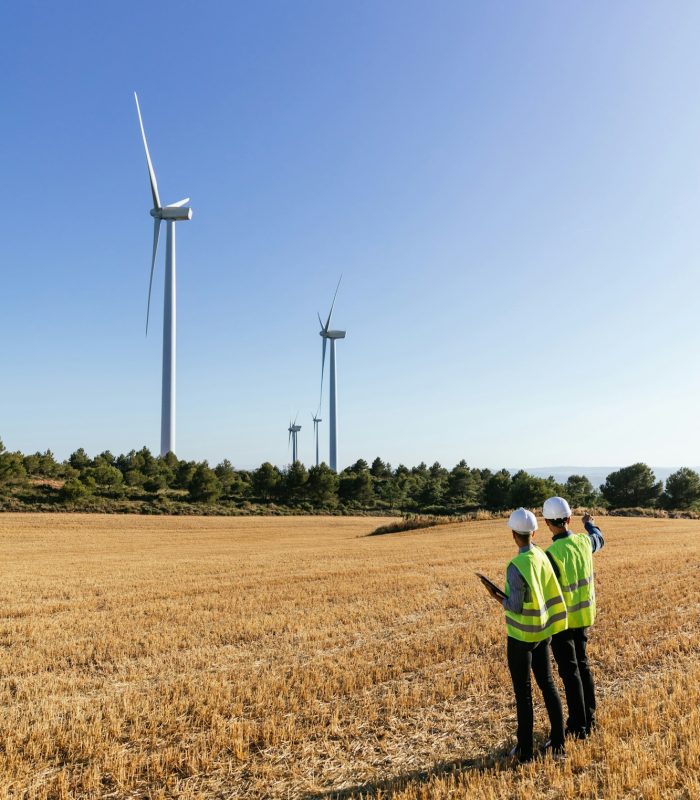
(151,171)
(320,321)
(328,321)
(156,236)
(323,364)
(179,203)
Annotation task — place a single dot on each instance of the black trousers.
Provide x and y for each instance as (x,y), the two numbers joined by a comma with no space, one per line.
(569,649)
(523,657)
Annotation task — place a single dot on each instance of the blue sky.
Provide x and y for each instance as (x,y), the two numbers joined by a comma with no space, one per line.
(511,191)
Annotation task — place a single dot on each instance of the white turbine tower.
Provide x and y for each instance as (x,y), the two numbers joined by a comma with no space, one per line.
(316,421)
(326,333)
(176,212)
(293,431)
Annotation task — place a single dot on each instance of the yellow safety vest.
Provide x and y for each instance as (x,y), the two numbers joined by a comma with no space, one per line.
(573,555)
(544,613)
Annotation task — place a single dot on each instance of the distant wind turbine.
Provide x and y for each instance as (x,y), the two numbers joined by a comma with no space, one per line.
(293,431)
(176,212)
(326,333)
(316,421)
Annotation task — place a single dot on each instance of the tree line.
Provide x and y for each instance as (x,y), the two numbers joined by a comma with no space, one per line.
(140,481)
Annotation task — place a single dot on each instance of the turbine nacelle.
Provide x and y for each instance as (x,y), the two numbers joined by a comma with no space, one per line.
(172,213)
(332,334)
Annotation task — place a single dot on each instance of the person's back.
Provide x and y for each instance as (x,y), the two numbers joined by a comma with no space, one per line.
(571,556)
(543,612)
(572,559)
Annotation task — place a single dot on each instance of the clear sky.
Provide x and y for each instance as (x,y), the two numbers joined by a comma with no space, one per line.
(511,191)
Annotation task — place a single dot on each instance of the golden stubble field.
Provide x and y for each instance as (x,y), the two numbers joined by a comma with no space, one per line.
(296,658)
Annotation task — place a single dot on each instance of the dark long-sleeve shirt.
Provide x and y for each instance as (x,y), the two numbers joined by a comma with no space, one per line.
(518,590)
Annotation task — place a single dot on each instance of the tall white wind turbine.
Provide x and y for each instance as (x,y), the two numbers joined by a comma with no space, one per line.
(326,333)
(316,421)
(293,431)
(175,212)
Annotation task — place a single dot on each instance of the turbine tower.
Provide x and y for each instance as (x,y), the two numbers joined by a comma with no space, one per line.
(293,431)
(326,333)
(175,212)
(316,421)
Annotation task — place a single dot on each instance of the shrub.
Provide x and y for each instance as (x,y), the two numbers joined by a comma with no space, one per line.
(412,523)
(682,489)
(497,491)
(529,491)
(154,483)
(631,486)
(73,490)
(134,478)
(204,486)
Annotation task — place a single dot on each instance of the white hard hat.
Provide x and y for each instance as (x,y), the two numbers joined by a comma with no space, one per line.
(556,508)
(522,521)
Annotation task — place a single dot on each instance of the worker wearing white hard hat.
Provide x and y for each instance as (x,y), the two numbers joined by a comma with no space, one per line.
(571,556)
(534,611)
(522,521)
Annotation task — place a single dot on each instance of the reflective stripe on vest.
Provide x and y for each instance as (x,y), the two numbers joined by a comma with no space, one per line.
(574,557)
(544,614)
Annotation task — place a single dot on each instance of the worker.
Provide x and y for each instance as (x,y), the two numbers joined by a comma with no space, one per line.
(571,556)
(535,610)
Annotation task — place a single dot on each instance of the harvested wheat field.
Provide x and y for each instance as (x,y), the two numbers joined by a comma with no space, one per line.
(297,658)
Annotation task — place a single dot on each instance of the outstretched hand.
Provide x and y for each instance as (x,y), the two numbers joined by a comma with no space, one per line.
(588,518)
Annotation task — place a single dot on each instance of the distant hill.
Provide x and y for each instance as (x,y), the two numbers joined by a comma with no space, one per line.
(596,475)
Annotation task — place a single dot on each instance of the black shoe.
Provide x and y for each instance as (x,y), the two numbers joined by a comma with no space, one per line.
(557,753)
(581,733)
(514,752)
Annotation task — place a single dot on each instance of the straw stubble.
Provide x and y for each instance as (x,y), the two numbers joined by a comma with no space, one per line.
(296,657)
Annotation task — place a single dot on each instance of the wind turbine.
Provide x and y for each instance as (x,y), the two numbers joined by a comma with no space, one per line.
(175,212)
(326,333)
(293,431)
(316,421)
